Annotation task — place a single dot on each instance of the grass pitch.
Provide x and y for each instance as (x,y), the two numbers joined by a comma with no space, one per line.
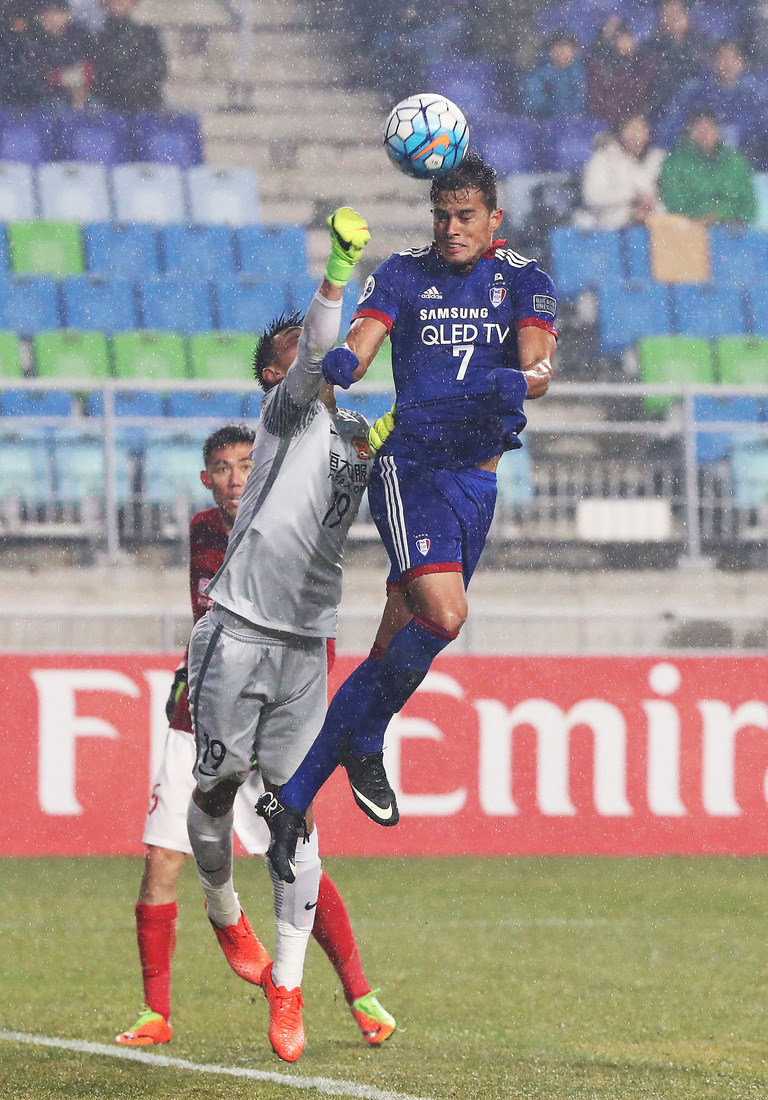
(577,979)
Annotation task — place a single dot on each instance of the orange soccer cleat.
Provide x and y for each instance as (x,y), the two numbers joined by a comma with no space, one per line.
(149,1029)
(244,951)
(286,1027)
(372,1018)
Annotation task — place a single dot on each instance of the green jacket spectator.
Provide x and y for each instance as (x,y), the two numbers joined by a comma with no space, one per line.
(705,179)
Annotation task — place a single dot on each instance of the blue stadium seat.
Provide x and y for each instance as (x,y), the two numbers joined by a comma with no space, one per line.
(100,303)
(247,305)
(509,143)
(274,252)
(300,290)
(17,192)
(637,251)
(705,309)
(739,254)
(761,190)
(630,311)
(566,16)
(198,251)
(25,464)
(585,259)
(171,468)
(514,479)
(36,403)
(149,193)
(568,142)
(252,405)
(714,446)
(74,192)
(168,137)
(749,472)
(129,403)
(28,304)
(757,295)
(27,136)
(96,136)
(716,20)
(216,406)
(371,403)
(173,304)
(222,196)
(468,82)
(123,250)
(78,466)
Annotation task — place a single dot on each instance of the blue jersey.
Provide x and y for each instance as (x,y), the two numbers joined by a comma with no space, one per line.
(450,330)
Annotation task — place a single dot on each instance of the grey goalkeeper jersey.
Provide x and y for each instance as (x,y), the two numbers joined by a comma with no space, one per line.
(282,569)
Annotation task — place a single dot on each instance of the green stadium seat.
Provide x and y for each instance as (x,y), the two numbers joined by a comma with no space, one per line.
(71,354)
(675,359)
(10,356)
(742,360)
(46,248)
(149,356)
(380,370)
(222,356)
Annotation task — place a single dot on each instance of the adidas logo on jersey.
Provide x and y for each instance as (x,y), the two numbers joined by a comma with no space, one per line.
(433,292)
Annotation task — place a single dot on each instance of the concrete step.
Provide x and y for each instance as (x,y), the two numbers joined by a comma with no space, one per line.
(287,211)
(196,97)
(177,13)
(281,126)
(232,154)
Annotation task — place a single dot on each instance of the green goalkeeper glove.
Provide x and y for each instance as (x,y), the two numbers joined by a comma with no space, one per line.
(349,236)
(378,433)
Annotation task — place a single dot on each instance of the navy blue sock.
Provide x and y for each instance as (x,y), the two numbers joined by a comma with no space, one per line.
(403,666)
(350,701)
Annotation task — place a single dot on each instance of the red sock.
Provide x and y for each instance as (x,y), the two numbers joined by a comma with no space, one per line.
(156,933)
(333,932)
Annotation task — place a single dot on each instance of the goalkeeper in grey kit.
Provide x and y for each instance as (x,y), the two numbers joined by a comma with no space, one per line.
(257,660)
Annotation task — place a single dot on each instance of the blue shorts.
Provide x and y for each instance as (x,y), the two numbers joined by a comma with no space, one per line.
(430,521)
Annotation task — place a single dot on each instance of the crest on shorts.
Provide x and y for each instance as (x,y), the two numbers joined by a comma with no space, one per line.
(498,294)
(422,545)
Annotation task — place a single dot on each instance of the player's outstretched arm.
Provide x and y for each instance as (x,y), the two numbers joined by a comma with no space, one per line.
(349,236)
(536,350)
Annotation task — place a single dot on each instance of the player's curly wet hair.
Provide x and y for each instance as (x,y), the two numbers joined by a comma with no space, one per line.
(265,349)
(227,436)
(473,173)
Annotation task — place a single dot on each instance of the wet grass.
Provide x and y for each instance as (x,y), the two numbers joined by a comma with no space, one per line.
(579,979)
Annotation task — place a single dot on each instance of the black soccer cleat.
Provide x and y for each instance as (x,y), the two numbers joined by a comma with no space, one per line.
(285,827)
(371,788)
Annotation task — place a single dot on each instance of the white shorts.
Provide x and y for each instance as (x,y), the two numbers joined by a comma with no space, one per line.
(257,698)
(166,824)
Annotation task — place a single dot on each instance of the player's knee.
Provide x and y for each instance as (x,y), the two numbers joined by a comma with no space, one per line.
(451,617)
(161,873)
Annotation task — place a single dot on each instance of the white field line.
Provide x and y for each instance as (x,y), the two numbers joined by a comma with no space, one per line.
(325,1085)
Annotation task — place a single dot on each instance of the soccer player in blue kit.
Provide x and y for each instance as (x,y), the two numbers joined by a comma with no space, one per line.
(472,330)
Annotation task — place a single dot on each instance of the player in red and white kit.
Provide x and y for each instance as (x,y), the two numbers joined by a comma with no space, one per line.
(227,460)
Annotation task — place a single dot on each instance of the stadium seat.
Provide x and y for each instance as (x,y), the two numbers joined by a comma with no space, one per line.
(742,360)
(95,136)
(716,20)
(514,480)
(212,404)
(167,137)
(69,354)
(198,251)
(123,250)
(74,192)
(714,446)
(222,196)
(300,290)
(675,359)
(749,473)
(17,192)
(630,311)
(706,309)
(247,305)
(78,466)
(252,405)
(757,296)
(469,82)
(4,254)
(148,193)
(739,254)
(585,259)
(100,302)
(567,143)
(27,136)
(10,356)
(149,356)
(25,465)
(272,253)
(761,191)
(174,304)
(637,253)
(371,403)
(171,465)
(28,304)
(45,248)
(222,356)
(40,403)
(510,144)
(147,403)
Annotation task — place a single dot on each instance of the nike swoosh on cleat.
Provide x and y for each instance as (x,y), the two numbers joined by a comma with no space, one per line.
(381,814)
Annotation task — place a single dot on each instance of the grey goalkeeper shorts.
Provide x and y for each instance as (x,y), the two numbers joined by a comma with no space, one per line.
(257,698)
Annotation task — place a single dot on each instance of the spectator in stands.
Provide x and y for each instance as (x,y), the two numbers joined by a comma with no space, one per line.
(130,61)
(729,92)
(618,78)
(64,52)
(21,79)
(705,179)
(620,182)
(557,86)
(676,53)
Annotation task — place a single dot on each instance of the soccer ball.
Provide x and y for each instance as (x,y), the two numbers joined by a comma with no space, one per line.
(426,135)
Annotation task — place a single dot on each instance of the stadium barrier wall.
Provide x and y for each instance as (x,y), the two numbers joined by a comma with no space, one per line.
(492,756)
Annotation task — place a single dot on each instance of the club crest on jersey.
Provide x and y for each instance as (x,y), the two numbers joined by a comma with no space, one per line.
(422,545)
(498,294)
(370,284)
